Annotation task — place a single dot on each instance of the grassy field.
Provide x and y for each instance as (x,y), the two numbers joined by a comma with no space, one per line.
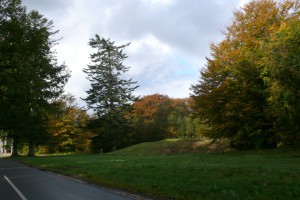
(152,169)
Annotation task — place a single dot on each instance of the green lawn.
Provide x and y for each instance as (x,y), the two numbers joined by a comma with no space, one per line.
(267,174)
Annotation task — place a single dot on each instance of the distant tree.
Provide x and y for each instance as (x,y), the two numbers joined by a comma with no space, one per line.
(31,76)
(180,120)
(67,126)
(158,116)
(110,95)
(150,115)
(232,95)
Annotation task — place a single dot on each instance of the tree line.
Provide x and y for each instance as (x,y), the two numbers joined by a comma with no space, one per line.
(36,113)
(248,92)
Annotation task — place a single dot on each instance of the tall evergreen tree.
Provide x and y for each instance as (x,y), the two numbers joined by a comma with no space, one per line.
(110,95)
(31,76)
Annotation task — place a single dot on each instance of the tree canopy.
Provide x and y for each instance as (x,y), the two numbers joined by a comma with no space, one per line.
(30,74)
(235,94)
(109,89)
(158,116)
(67,127)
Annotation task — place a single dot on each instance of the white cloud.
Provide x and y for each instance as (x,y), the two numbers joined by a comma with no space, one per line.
(159,2)
(242,3)
(169,38)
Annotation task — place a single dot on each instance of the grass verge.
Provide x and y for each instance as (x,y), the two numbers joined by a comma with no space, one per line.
(268,174)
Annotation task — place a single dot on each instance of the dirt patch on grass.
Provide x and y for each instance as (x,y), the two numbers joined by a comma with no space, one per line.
(211,147)
(176,146)
(182,146)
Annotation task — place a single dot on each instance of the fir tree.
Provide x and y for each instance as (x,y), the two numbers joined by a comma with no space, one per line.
(110,95)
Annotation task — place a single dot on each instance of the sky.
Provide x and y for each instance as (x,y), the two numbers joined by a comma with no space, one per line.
(169,39)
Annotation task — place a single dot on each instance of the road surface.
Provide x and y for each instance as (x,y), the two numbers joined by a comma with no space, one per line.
(19,182)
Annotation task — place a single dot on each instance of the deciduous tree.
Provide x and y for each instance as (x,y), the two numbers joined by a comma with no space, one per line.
(232,94)
(67,126)
(150,116)
(158,116)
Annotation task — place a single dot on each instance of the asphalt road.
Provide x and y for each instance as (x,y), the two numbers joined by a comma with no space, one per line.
(19,182)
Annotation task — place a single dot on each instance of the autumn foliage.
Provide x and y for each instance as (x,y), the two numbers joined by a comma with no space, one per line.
(158,116)
(67,127)
(249,90)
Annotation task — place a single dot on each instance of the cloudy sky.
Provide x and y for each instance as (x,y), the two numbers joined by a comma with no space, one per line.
(169,38)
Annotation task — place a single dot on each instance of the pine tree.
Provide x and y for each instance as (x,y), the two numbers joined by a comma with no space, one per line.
(110,91)
(110,95)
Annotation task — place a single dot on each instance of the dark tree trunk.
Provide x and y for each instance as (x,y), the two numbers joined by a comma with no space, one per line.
(15,148)
(31,148)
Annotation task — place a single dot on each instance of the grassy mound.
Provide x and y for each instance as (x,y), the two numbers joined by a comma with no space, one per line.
(174,146)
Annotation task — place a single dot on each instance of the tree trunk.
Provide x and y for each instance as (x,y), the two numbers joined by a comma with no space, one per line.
(15,148)
(31,148)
